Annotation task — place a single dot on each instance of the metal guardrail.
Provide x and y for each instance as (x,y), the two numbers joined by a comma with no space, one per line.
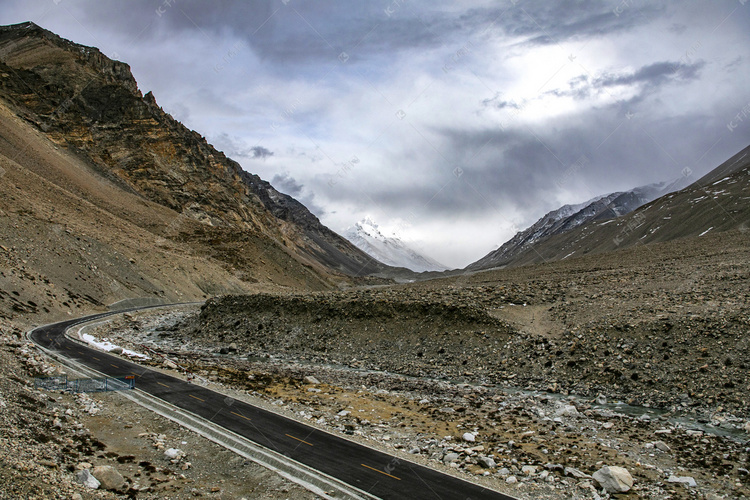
(102,384)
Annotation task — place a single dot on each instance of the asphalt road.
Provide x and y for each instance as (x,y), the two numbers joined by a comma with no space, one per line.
(377,473)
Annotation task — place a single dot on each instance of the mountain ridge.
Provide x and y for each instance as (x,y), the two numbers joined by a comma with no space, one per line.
(90,104)
(569,217)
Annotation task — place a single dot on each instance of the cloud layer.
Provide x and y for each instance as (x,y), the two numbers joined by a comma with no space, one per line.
(454,125)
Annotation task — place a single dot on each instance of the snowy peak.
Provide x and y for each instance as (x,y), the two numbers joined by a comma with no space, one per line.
(389,249)
(569,217)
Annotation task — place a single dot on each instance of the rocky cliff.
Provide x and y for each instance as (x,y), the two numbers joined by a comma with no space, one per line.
(91,105)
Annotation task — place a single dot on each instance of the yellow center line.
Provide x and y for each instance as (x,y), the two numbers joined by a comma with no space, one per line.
(241,416)
(95,358)
(298,439)
(384,473)
(114,365)
(196,397)
(163,385)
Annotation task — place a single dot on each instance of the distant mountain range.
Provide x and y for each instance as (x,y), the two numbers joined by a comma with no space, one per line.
(653,213)
(391,250)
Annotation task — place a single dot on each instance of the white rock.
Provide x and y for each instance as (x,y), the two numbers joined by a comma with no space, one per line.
(450,458)
(528,470)
(343,413)
(747,427)
(662,446)
(469,437)
(687,481)
(174,453)
(108,477)
(572,471)
(487,462)
(511,480)
(311,380)
(567,411)
(614,479)
(85,478)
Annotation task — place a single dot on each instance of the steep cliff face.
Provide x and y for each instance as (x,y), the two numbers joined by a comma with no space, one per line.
(91,105)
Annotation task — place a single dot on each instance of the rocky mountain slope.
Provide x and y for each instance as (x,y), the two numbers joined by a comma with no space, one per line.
(621,220)
(91,106)
(367,236)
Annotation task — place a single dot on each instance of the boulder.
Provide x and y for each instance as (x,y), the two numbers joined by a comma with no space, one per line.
(614,479)
(687,481)
(662,446)
(109,478)
(572,471)
(486,462)
(567,411)
(174,453)
(311,380)
(450,457)
(85,478)
(528,470)
(469,437)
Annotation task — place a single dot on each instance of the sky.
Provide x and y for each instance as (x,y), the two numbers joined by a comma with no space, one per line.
(452,124)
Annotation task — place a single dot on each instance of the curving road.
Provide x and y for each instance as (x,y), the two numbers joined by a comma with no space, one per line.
(377,473)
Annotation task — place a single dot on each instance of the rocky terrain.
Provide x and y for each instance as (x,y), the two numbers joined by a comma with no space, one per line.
(531,444)
(664,325)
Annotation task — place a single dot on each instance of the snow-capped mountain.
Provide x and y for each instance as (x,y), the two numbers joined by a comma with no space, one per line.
(367,236)
(569,217)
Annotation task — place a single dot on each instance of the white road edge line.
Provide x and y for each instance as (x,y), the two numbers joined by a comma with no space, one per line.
(311,479)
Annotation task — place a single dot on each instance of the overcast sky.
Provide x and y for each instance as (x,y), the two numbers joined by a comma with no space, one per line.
(455,124)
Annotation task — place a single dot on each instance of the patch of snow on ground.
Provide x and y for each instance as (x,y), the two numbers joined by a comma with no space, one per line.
(106,345)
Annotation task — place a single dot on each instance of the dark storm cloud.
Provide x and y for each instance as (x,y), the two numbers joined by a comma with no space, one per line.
(260,152)
(647,80)
(298,32)
(287,184)
(655,74)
